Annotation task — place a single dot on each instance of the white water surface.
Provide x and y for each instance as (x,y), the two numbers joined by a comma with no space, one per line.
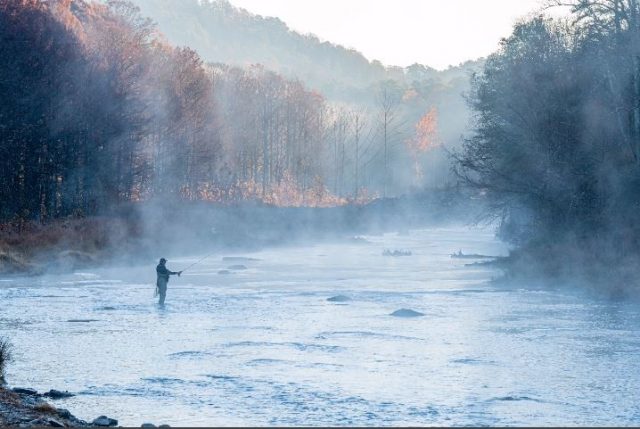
(263,346)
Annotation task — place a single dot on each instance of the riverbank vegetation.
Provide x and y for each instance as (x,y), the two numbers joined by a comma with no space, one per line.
(143,231)
(556,144)
(99,110)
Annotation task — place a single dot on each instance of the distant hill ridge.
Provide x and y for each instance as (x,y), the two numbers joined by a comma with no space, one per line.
(221,32)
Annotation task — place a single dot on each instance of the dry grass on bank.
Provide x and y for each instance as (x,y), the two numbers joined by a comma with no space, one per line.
(33,247)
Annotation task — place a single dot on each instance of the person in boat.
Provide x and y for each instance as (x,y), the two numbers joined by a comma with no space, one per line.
(163,279)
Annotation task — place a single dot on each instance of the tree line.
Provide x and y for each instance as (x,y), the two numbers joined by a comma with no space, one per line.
(556,139)
(98,109)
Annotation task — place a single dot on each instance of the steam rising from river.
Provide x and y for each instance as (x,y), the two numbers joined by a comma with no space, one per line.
(265,345)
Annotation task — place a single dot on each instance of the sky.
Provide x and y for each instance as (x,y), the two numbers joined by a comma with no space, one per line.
(437,33)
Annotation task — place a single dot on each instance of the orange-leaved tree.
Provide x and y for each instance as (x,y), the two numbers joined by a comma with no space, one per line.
(424,140)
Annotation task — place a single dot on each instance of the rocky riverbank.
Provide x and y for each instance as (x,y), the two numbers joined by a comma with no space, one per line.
(24,408)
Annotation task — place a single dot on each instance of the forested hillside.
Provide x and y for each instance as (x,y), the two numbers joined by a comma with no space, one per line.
(221,32)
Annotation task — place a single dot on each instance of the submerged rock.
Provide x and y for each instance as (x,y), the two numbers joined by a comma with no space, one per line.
(461,255)
(104,421)
(223,272)
(147,425)
(57,394)
(238,259)
(396,253)
(339,298)
(406,312)
(237,267)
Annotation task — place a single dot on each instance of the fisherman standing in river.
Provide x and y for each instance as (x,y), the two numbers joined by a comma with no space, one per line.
(163,279)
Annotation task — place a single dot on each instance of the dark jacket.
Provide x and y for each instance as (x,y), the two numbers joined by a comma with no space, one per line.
(163,272)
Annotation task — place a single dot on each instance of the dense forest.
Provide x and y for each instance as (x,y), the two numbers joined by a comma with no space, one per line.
(556,144)
(98,109)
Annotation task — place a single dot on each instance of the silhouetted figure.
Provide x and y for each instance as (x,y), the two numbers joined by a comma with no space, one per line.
(163,279)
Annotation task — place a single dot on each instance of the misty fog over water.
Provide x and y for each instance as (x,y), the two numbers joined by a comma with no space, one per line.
(350,242)
(265,346)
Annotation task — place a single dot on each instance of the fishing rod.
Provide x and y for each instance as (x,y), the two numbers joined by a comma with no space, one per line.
(197,262)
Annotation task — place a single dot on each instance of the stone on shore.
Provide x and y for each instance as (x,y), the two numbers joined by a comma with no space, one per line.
(56,394)
(64,413)
(25,391)
(34,422)
(28,409)
(54,423)
(104,421)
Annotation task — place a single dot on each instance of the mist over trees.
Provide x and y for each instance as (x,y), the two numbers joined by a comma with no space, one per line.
(223,33)
(91,99)
(556,139)
(99,110)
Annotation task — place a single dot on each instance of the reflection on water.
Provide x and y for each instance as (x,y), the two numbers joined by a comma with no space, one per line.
(267,346)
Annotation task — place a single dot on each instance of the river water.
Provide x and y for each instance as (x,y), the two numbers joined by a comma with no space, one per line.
(264,346)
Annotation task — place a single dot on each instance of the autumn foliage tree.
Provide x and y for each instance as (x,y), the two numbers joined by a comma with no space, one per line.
(424,139)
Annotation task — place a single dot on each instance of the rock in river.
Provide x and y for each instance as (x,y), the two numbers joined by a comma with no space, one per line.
(238,259)
(339,298)
(237,267)
(405,312)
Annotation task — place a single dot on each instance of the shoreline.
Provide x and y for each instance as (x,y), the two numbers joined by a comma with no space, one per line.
(151,230)
(25,407)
